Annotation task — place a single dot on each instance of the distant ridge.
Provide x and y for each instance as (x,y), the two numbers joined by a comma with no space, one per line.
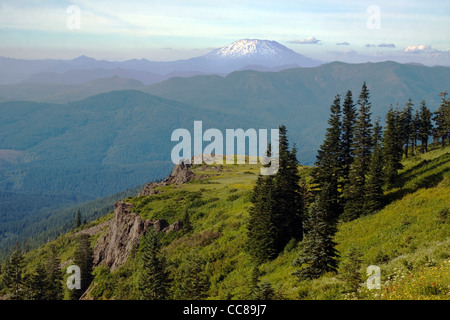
(242,54)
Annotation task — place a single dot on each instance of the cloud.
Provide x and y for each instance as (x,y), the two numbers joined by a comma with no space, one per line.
(386,45)
(345,43)
(370,45)
(350,52)
(419,48)
(309,40)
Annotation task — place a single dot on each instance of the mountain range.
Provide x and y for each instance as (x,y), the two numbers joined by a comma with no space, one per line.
(67,136)
(255,54)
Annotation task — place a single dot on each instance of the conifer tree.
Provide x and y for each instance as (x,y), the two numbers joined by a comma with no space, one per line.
(254,286)
(426,127)
(319,254)
(329,161)
(38,283)
(187,226)
(375,179)
(354,190)
(54,276)
(13,274)
(406,119)
(195,283)
(265,291)
(78,219)
(347,132)
(442,119)
(154,279)
(350,269)
(392,148)
(415,131)
(288,202)
(83,258)
(260,228)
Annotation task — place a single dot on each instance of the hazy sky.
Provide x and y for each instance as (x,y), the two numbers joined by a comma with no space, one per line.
(353,31)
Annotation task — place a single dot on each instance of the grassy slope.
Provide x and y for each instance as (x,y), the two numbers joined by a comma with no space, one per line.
(408,239)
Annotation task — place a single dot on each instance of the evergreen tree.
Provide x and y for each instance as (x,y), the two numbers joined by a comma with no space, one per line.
(264,291)
(26,292)
(329,161)
(319,254)
(254,286)
(426,127)
(350,270)
(38,284)
(442,119)
(154,279)
(260,228)
(13,275)
(347,132)
(287,195)
(54,276)
(415,131)
(406,119)
(195,281)
(392,147)
(354,190)
(187,226)
(375,179)
(78,219)
(83,258)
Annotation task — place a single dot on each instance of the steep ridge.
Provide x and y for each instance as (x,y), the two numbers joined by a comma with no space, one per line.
(408,238)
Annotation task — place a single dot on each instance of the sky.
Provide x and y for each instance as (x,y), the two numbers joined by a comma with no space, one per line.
(351,31)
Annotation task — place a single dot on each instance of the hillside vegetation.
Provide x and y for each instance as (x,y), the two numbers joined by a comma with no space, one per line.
(408,239)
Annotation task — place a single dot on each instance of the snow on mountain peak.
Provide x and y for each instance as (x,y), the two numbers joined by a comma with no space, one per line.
(251,47)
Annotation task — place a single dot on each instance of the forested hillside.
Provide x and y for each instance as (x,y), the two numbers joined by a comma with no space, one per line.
(377,196)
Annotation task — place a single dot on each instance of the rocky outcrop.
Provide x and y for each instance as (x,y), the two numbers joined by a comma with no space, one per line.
(123,234)
(181,174)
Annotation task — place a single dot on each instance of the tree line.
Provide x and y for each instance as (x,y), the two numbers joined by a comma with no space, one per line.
(46,280)
(357,162)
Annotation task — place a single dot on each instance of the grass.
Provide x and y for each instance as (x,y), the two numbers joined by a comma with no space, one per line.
(408,239)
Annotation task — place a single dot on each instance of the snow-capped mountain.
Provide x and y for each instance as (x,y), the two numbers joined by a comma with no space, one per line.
(263,53)
(250,47)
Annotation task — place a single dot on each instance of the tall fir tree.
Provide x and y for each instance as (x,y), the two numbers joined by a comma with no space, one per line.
(78,219)
(415,131)
(83,258)
(425,127)
(260,228)
(350,269)
(354,190)
(38,283)
(347,133)
(406,119)
(154,281)
(54,276)
(319,254)
(329,160)
(442,119)
(195,281)
(288,202)
(392,147)
(374,187)
(13,275)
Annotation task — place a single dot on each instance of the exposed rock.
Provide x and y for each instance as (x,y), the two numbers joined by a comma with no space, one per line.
(176,226)
(124,233)
(181,174)
(94,230)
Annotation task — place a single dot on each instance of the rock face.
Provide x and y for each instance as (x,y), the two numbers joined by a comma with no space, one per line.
(124,232)
(181,174)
